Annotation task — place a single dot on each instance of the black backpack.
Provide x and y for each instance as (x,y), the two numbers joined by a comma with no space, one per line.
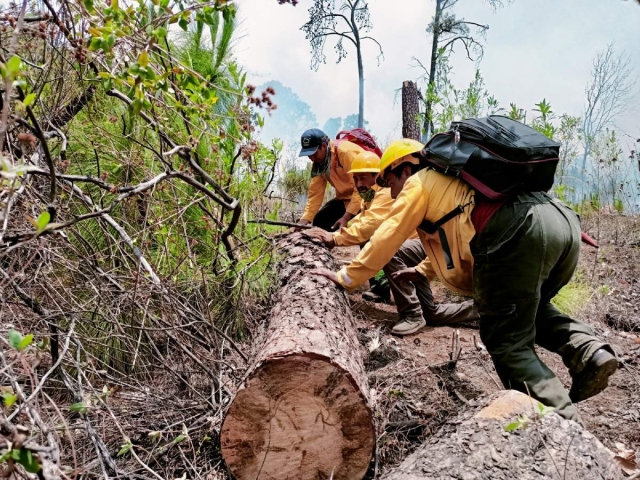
(495,155)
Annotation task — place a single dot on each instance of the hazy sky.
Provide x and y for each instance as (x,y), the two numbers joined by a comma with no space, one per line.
(533,49)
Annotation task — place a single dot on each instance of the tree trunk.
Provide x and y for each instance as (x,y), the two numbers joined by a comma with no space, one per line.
(360,89)
(303,411)
(410,111)
(475,446)
(428,121)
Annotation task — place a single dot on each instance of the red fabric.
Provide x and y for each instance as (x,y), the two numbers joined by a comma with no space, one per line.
(589,240)
(360,137)
(484,210)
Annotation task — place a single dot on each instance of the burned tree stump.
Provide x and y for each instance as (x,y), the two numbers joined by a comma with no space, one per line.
(410,110)
(303,411)
(476,446)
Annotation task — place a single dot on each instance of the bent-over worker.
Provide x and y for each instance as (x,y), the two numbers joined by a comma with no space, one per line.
(410,288)
(524,250)
(331,163)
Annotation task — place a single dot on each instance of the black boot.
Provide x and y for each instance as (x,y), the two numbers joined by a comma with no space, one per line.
(594,378)
(380,292)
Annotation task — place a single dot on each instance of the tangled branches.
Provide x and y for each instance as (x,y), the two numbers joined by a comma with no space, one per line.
(124,176)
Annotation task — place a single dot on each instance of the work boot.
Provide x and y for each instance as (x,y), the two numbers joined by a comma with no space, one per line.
(380,292)
(373,296)
(407,326)
(594,378)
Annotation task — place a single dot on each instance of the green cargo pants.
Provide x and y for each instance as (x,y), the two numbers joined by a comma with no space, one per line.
(525,254)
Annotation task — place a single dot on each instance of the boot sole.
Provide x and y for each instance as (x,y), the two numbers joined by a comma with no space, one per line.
(374,299)
(408,332)
(597,382)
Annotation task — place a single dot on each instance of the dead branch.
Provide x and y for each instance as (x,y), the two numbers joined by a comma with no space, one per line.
(279,223)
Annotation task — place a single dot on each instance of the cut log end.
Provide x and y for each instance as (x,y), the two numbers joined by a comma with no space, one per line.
(303,411)
(298,417)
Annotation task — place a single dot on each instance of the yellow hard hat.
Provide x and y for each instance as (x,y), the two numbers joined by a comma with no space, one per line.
(365,162)
(397,153)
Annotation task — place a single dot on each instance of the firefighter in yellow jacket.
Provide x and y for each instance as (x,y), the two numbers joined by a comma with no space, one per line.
(412,294)
(331,163)
(525,250)
(375,205)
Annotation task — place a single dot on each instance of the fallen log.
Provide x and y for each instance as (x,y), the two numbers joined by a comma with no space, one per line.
(477,446)
(303,411)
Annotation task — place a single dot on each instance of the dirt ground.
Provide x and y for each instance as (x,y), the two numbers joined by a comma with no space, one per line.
(417,391)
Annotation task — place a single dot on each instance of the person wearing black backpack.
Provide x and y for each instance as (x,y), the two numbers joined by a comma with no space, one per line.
(525,249)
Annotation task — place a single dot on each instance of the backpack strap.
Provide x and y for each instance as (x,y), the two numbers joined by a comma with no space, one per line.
(433,227)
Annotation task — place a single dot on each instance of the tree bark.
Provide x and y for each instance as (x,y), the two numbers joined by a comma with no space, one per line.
(303,411)
(475,446)
(410,111)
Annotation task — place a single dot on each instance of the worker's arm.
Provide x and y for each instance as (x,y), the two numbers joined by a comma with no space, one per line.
(364,225)
(407,213)
(414,274)
(317,188)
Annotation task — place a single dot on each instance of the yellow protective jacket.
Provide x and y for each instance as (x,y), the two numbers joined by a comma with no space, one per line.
(341,158)
(427,195)
(371,216)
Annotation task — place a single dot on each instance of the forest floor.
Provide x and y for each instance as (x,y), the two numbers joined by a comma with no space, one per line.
(416,391)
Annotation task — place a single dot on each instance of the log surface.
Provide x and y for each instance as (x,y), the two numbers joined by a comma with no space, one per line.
(303,411)
(475,446)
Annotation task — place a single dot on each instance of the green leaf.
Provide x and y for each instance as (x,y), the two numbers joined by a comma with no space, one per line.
(109,43)
(12,67)
(9,399)
(88,4)
(15,338)
(180,438)
(143,59)
(544,410)
(125,448)
(96,44)
(29,99)
(184,25)
(79,407)
(136,106)
(43,220)
(512,426)
(25,342)
(160,32)
(28,460)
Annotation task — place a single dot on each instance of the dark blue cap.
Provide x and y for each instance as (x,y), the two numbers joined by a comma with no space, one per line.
(311,141)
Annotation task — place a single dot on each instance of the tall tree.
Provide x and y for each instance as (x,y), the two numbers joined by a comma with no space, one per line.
(347,22)
(608,95)
(448,31)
